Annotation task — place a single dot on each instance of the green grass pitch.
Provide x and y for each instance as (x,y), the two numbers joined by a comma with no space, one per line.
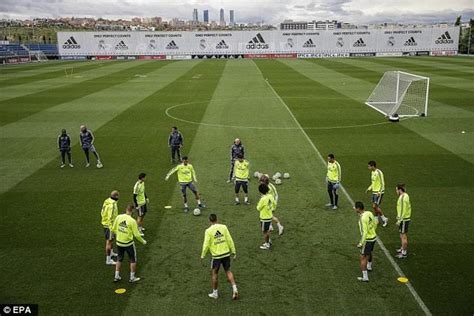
(51,249)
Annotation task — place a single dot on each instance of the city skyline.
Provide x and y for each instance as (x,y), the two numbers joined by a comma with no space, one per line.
(273,12)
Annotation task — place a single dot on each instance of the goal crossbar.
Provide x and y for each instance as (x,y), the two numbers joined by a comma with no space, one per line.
(400,93)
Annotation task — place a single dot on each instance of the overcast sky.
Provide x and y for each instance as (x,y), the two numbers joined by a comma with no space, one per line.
(270,11)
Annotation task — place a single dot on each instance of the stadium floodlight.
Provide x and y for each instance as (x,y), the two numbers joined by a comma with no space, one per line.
(400,93)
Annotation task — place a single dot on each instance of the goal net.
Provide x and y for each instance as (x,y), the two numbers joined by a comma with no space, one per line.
(400,93)
(38,55)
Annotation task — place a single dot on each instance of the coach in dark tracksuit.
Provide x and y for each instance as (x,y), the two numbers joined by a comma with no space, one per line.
(175,142)
(236,150)
(64,146)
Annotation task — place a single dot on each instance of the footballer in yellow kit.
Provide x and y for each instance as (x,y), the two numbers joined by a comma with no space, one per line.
(186,177)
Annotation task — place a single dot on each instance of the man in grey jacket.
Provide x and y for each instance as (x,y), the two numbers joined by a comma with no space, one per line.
(235,150)
(175,142)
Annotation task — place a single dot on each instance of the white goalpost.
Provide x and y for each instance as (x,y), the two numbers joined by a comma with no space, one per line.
(38,55)
(400,94)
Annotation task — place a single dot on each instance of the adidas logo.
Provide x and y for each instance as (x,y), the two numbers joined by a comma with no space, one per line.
(71,44)
(391,41)
(218,234)
(359,43)
(222,45)
(445,39)
(309,43)
(410,42)
(340,42)
(172,45)
(257,43)
(121,46)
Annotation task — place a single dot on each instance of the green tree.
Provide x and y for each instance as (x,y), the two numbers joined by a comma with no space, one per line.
(458,21)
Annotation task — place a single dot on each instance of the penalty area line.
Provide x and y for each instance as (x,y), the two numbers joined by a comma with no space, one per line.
(382,246)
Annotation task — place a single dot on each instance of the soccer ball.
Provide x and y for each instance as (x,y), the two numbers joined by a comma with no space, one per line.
(99,165)
(257,174)
(196,212)
(278,175)
(278,181)
(286,175)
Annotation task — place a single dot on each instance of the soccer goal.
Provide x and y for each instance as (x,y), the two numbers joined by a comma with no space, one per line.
(38,55)
(400,93)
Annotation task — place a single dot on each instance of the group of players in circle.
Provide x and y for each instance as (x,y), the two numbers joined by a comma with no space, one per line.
(124,229)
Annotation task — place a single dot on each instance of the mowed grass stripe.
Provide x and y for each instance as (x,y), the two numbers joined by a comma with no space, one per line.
(353,73)
(441,90)
(402,155)
(453,60)
(101,69)
(12,69)
(15,109)
(45,74)
(286,280)
(132,142)
(32,138)
(422,67)
(448,68)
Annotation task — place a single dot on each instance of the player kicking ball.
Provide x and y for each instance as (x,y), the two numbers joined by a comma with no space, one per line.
(265,207)
(218,241)
(186,176)
(241,173)
(273,191)
(367,228)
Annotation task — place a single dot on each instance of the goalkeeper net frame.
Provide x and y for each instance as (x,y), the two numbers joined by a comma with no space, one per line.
(400,93)
(38,55)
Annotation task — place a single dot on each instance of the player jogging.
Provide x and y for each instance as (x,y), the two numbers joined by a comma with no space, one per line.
(403,219)
(186,175)
(265,207)
(273,191)
(140,201)
(175,143)
(333,179)
(87,142)
(126,230)
(218,241)
(64,146)
(235,150)
(367,228)
(377,187)
(108,214)
(241,173)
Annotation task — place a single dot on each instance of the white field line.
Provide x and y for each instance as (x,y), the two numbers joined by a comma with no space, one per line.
(382,246)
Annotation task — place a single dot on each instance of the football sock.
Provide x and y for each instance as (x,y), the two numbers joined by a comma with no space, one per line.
(199,201)
(132,275)
(383,218)
(234,287)
(108,258)
(214,292)
(365,275)
(246,199)
(369,265)
(117,274)
(185,204)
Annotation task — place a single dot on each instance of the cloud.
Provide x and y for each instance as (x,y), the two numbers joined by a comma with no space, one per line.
(270,11)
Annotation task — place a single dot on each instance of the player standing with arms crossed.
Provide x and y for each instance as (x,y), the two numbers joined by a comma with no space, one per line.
(218,241)
(64,145)
(377,187)
(175,143)
(403,219)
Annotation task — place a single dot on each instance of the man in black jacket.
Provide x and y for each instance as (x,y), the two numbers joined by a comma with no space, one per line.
(64,146)
(175,142)
(235,150)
